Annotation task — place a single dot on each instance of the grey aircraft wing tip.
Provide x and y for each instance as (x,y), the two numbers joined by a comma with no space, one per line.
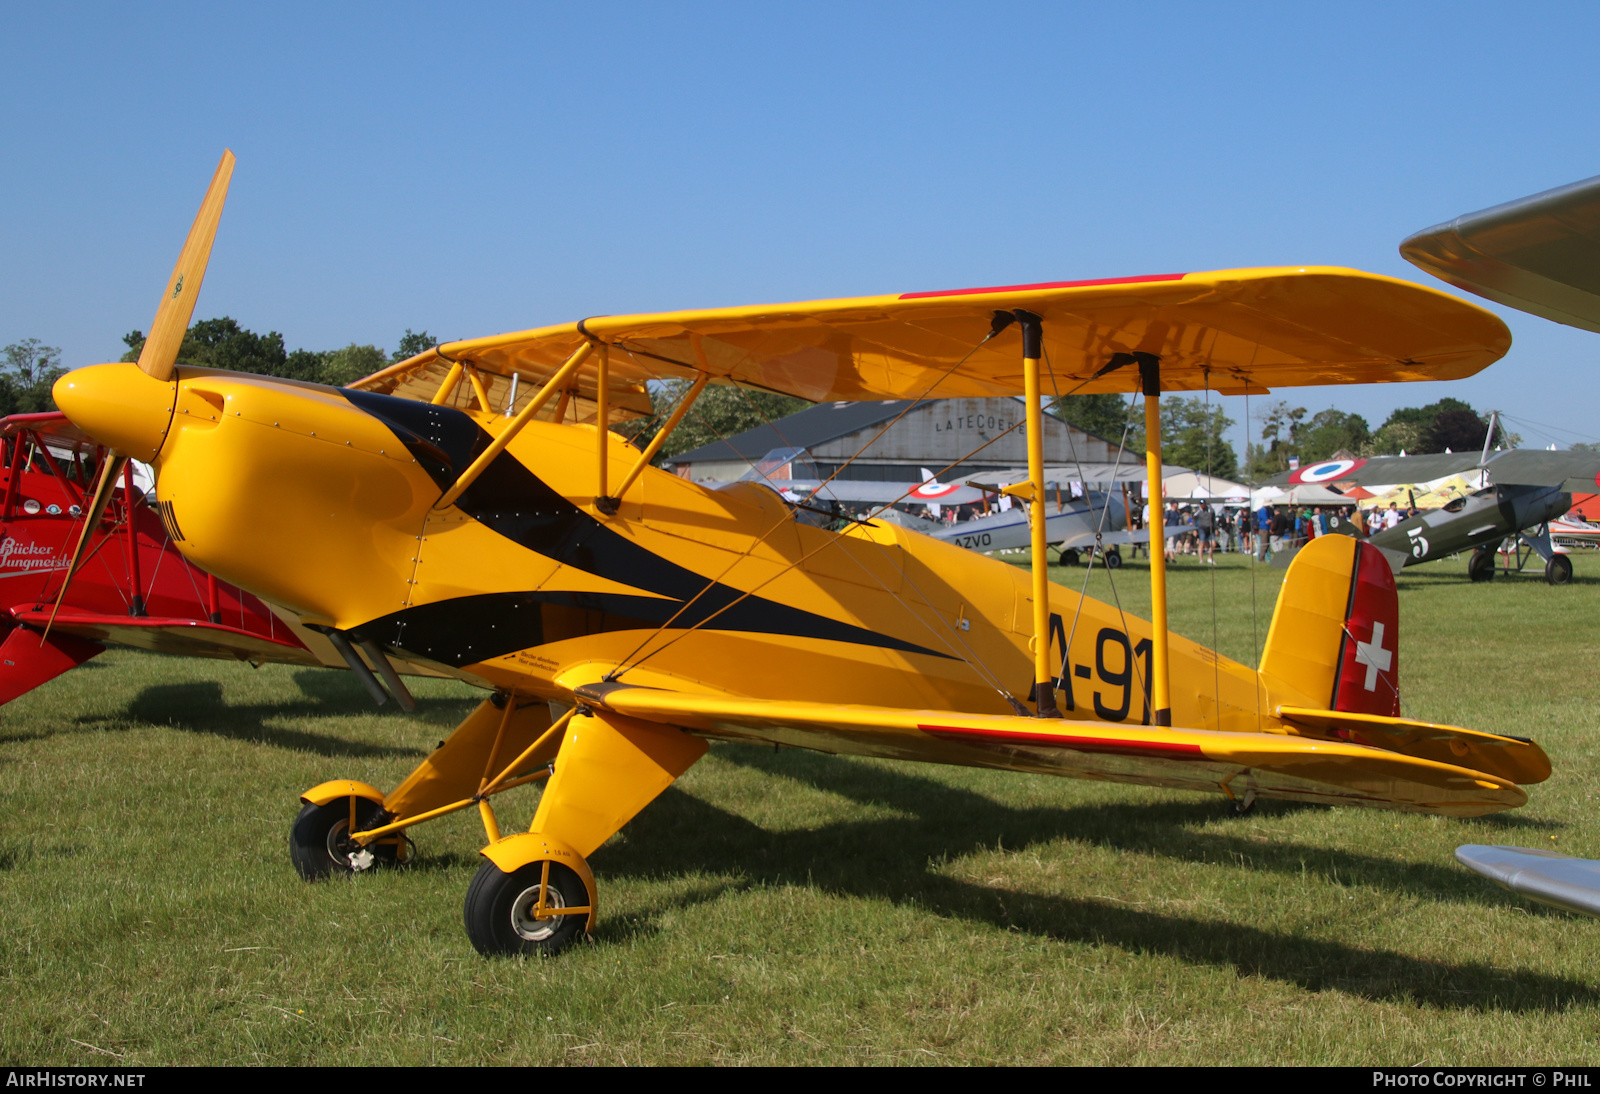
(1549,877)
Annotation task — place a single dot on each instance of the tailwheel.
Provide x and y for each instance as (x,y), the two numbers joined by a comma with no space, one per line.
(536,910)
(1480,567)
(1558,571)
(320,843)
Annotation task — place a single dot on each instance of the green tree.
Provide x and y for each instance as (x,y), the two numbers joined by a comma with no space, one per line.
(223,343)
(721,411)
(1104,416)
(411,344)
(304,364)
(345,366)
(1192,436)
(1449,423)
(31,370)
(1279,424)
(1330,431)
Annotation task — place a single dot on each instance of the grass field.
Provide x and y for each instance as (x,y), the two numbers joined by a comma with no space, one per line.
(794,908)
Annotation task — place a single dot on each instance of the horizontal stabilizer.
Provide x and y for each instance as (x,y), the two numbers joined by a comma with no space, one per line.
(1521,761)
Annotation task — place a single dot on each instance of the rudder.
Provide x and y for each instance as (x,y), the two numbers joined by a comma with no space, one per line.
(1334,642)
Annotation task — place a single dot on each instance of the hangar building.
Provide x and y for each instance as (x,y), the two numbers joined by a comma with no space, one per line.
(934,434)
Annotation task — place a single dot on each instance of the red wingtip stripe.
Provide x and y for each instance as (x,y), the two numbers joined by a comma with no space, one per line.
(1046,285)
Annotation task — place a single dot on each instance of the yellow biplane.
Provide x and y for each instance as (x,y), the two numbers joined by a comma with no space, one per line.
(471,509)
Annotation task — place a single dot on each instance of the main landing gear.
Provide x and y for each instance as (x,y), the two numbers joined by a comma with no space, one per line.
(536,894)
(536,910)
(1480,567)
(1558,571)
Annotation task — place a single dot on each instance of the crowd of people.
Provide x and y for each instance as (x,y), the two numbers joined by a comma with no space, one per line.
(1262,533)
(1210,528)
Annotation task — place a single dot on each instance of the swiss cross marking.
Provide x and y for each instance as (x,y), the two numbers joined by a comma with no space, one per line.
(1374,656)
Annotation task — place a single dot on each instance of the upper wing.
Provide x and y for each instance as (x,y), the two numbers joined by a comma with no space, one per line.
(1267,764)
(1231,331)
(1540,254)
(1575,471)
(1379,470)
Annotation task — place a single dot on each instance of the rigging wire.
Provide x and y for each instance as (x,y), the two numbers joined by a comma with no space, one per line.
(796,562)
(623,665)
(1099,532)
(617,672)
(976,661)
(1210,486)
(1547,430)
(1255,633)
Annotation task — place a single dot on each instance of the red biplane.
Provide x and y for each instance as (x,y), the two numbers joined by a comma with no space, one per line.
(133,588)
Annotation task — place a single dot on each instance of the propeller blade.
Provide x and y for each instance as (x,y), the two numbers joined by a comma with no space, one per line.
(110,471)
(160,350)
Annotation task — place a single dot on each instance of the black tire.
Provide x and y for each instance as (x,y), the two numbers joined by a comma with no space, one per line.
(1558,571)
(319,843)
(1071,558)
(497,911)
(1113,559)
(1480,567)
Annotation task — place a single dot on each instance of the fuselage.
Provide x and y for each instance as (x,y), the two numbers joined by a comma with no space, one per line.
(1072,521)
(322,500)
(1484,517)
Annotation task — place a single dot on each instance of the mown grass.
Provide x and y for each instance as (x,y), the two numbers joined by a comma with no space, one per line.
(790,907)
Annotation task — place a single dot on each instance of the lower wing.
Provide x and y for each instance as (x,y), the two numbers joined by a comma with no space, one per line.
(1238,765)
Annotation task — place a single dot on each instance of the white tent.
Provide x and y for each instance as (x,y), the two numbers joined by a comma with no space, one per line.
(1192,484)
(1298,495)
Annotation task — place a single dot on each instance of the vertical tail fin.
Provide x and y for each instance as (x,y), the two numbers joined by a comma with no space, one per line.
(1335,637)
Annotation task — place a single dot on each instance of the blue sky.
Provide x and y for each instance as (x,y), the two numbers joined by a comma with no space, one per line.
(468,169)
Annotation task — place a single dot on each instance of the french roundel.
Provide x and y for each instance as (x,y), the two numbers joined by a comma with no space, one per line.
(935,489)
(1327,471)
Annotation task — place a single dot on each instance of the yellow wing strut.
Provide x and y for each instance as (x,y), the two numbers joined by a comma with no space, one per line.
(1044,691)
(1160,683)
(536,404)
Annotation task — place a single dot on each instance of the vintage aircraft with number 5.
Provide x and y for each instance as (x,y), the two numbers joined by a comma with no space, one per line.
(470,509)
(1528,489)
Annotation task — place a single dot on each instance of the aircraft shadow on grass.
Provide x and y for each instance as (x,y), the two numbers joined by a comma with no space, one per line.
(199,707)
(890,859)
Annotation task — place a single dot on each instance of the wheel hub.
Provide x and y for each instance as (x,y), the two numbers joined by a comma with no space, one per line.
(522,909)
(346,851)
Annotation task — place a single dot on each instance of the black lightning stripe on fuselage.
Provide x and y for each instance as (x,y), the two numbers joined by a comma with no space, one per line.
(513,501)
